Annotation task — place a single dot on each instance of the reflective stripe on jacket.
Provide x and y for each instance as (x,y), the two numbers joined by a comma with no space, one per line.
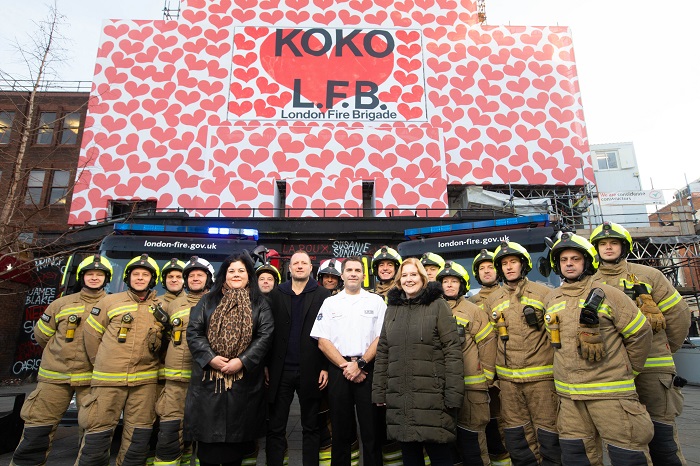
(527,355)
(669,301)
(65,361)
(122,363)
(626,340)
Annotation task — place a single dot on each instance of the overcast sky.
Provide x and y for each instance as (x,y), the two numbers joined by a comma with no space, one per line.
(638,64)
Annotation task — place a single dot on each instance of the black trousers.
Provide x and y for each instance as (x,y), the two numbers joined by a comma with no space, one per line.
(440,454)
(345,398)
(276,441)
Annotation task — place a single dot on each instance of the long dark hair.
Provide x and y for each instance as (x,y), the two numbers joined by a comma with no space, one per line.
(216,293)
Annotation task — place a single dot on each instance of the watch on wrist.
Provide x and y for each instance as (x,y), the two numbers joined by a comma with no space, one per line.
(361,363)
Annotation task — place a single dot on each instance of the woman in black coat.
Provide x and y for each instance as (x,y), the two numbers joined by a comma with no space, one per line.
(229,335)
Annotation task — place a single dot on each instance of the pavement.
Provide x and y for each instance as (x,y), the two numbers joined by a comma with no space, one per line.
(65,445)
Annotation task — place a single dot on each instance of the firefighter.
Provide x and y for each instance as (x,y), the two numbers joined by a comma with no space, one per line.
(65,368)
(173,281)
(658,388)
(385,263)
(268,277)
(198,274)
(524,360)
(600,341)
(433,264)
(123,337)
(485,274)
(329,275)
(479,346)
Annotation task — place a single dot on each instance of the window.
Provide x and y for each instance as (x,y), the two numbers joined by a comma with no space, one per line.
(35,187)
(71,126)
(131,208)
(47,121)
(59,187)
(6,126)
(607,160)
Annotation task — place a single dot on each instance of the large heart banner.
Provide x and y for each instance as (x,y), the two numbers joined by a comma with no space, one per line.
(242,107)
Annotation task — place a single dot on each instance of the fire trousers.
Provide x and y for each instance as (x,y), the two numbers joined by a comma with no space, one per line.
(664,403)
(42,412)
(471,428)
(170,409)
(100,415)
(623,425)
(529,413)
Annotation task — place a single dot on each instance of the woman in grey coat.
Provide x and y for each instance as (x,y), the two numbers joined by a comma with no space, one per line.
(418,373)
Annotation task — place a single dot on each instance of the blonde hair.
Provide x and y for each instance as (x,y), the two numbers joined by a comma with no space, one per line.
(421,271)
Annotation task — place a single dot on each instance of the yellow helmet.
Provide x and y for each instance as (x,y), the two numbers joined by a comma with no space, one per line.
(616,231)
(385,253)
(579,243)
(144,262)
(484,256)
(173,264)
(454,269)
(95,262)
(271,269)
(430,258)
(511,249)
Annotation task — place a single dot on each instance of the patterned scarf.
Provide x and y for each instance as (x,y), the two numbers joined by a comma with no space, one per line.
(230,332)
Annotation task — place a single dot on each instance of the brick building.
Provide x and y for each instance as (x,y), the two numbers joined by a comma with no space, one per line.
(43,195)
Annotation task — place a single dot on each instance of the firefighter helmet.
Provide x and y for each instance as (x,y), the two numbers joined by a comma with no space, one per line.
(511,249)
(385,253)
(197,263)
(271,269)
(329,267)
(484,256)
(615,231)
(430,258)
(173,264)
(144,262)
(579,243)
(454,269)
(95,262)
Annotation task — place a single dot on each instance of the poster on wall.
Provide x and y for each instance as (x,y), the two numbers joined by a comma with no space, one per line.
(44,288)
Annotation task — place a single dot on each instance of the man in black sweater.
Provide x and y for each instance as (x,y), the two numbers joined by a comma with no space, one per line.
(295,363)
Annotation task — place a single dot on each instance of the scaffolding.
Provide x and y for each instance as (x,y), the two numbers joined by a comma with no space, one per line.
(171,13)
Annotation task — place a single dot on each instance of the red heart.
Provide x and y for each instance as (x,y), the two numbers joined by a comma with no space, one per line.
(499,137)
(315,71)
(551,146)
(109,164)
(521,156)
(555,131)
(382,162)
(565,176)
(255,158)
(474,152)
(352,158)
(128,190)
(339,189)
(507,176)
(321,160)
(156,183)
(348,140)
(404,197)
(527,135)
(246,172)
(169,165)
(242,193)
(408,174)
(544,162)
(535,118)
(105,182)
(382,144)
(533,177)
(187,180)
(485,170)
(512,102)
(411,152)
(284,164)
(497,152)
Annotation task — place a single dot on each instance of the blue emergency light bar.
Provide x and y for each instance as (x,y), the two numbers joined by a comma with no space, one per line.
(514,222)
(135,228)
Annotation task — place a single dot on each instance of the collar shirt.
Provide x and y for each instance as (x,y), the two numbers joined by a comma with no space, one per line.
(350,322)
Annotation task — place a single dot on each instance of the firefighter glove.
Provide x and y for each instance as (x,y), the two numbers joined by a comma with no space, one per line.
(155,337)
(651,312)
(590,343)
